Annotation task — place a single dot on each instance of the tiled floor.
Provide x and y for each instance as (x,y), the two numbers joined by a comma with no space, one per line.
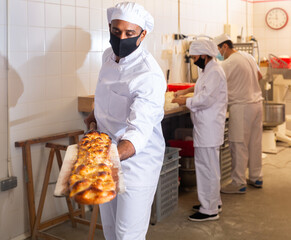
(260,214)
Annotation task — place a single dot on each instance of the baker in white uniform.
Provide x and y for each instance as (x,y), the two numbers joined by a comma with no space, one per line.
(129,102)
(208,112)
(245,116)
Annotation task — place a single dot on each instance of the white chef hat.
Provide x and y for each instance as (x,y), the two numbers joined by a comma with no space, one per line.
(221,38)
(203,47)
(133,13)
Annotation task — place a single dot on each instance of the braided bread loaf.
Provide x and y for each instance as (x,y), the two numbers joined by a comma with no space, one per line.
(91,181)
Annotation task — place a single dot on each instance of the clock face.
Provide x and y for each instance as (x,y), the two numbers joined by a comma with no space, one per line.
(276,18)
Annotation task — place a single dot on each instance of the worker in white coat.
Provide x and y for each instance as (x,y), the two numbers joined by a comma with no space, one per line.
(129,103)
(245,116)
(208,112)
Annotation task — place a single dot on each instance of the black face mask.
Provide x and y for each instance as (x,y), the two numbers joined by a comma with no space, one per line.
(123,47)
(200,63)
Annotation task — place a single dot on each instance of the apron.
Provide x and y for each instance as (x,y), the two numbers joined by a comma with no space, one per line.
(236,116)
(236,123)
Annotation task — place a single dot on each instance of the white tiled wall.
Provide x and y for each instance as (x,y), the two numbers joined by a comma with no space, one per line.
(3,90)
(205,17)
(272,41)
(55,53)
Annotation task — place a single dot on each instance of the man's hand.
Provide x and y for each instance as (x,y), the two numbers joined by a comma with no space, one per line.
(90,120)
(180,93)
(92,126)
(125,149)
(183,91)
(180,100)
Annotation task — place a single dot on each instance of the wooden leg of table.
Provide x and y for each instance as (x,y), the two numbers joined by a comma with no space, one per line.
(71,211)
(82,208)
(43,192)
(68,200)
(59,158)
(74,139)
(93,222)
(26,154)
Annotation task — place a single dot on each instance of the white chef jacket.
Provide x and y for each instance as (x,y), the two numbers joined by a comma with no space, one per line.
(129,101)
(241,73)
(208,106)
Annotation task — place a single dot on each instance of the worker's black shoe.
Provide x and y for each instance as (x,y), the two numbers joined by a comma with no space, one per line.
(197,207)
(201,217)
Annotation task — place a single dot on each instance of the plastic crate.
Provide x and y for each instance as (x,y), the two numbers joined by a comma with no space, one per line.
(173,163)
(183,133)
(179,86)
(166,196)
(187,148)
(170,154)
(280,63)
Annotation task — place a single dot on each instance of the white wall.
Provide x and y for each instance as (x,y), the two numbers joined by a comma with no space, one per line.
(276,42)
(201,17)
(272,41)
(3,89)
(55,49)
